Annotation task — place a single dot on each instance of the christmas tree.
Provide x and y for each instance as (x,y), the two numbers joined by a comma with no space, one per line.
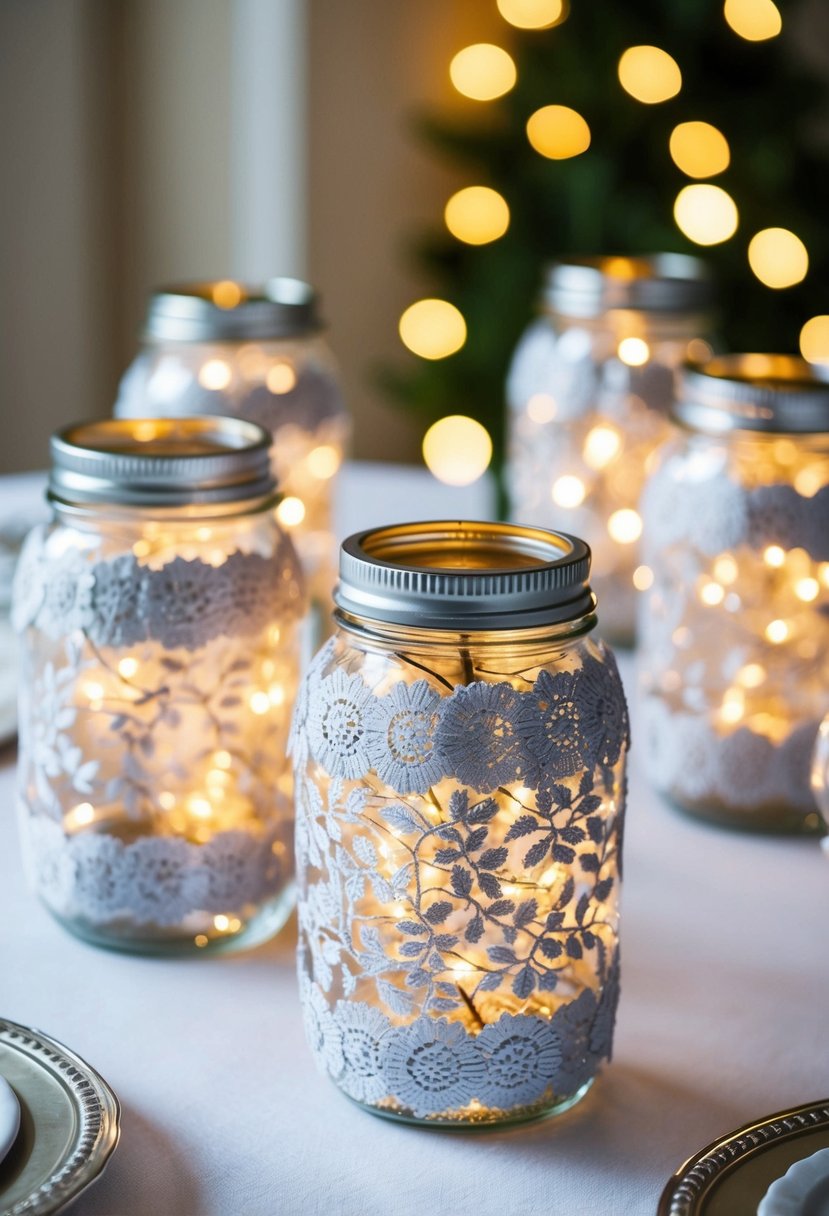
(601,127)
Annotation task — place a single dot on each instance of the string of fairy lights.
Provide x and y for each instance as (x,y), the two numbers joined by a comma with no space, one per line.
(457,449)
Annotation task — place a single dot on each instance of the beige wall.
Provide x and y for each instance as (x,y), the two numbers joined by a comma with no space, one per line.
(115,147)
(373,63)
(56,234)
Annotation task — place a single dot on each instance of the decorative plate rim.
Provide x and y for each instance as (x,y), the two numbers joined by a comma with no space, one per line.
(99,1115)
(696,1176)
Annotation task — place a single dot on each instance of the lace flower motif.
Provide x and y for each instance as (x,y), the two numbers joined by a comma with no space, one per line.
(362,1031)
(321,1031)
(67,603)
(550,724)
(402,737)
(29,585)
(120,617)
(522,1056)
(602,709)
(337,730)
(432,1066)
(573,1024)
(479,735)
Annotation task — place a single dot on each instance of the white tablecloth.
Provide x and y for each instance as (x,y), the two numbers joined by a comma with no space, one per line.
(724,1017)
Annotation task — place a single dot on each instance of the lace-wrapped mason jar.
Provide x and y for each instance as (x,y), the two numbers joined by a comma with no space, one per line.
(459,750)
(257,354)
(735,627)
(588,392)
(159,616)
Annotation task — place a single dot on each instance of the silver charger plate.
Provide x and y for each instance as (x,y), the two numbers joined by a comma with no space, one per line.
(69,1123)
(730,1176)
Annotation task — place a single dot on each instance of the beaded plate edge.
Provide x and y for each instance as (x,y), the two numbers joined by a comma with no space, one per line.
(690,1185)
(98,1112)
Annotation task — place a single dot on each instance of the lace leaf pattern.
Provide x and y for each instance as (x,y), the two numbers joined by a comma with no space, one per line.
(184,604)
(457,861)
(153,725)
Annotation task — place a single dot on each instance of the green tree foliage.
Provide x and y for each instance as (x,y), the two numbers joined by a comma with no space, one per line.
(618,196)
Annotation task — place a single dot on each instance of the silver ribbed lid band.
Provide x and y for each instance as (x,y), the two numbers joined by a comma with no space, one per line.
(775,393)
(464,575)
(224,311)
(665,282)
(161,462)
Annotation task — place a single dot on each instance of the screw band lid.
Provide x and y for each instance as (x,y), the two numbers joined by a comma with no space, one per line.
(464,575)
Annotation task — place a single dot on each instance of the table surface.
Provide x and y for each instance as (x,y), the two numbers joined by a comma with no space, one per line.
(723,1019)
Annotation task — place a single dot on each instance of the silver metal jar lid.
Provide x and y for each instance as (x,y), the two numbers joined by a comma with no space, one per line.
(160,462)
(225,311)
(665,282)
(464,575)
(775,393)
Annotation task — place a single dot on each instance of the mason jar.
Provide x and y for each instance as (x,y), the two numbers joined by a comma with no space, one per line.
(459,749)
(159,615)
(256,353)
(735,625)
(589,392)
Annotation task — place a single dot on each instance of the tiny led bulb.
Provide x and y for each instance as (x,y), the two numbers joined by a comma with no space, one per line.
(774,556)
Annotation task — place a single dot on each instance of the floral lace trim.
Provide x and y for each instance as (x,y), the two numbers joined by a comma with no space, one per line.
(433,1067)
(716,514)
(156,881)
(742,771)
(186,604)
(483,735)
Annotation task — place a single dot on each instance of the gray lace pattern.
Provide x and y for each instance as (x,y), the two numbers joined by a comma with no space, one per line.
(458,859)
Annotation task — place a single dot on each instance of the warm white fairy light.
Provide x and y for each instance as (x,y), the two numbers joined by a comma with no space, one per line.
(291,511)
(643,578)
(215,374)
(634,351)
(601,445)
(568,492)
(777,631)
(625,526)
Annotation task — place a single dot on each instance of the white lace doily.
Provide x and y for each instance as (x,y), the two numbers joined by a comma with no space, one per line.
(155,881)
(121,601)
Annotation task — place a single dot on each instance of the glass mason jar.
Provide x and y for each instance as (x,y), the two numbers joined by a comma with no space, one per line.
(588,393)
(159,617)
(257,354)
(459,749)
(735,626)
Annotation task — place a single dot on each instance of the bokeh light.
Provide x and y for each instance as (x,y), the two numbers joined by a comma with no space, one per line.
(457,450)
(215,374)
(625,526)
(699,149)
(754,20)
(778,257)
(226,294)
(482,71)
(281,378)
(477,215)
(706,214)
(532,14)
(649,74)
(568,492)
(290,512)
(558,132)
(814,339)
(635,352)
(432,329)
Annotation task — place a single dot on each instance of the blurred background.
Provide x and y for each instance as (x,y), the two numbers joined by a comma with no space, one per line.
(147,142)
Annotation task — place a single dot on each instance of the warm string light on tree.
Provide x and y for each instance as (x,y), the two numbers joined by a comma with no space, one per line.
(664,72)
